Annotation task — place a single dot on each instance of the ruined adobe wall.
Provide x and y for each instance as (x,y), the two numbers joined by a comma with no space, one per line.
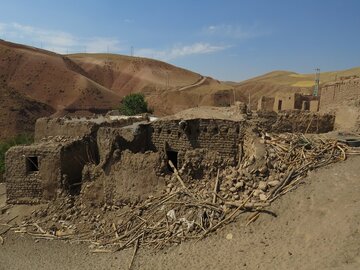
(77,127)
(74,156)
(296,121)
(223,98)
(221,136)
(134,138)
(333,94)
(266,103)
(24,186)
(46,127)
(314,105)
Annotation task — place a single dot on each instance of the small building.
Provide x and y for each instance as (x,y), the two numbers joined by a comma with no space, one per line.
(37,171)
(295,101)
(289,101)
(55,161)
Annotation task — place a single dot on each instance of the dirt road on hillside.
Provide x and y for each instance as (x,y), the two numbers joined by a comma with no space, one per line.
(317,227)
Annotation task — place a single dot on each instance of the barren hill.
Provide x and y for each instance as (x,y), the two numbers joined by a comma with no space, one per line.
(19,113)
(51,79)
(125,74)
(168,88)
(97,82)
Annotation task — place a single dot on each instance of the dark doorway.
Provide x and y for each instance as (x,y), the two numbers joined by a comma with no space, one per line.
(173,157)
(306,105)
(280,105)
(32,164)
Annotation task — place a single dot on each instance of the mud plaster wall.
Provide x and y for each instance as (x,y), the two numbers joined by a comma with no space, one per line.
(266,103)
(335,93)
(24,185)
(129,169)
(133,176)
(223,98)
(54,161)
(46,127)
(300,121)
(220,136)
(109,139)
(75,155)
(287,102)
(314,105)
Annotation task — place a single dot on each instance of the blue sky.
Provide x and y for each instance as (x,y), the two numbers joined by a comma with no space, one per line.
(225,39)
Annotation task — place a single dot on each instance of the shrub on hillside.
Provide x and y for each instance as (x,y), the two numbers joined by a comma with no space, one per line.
(5,145)
(133,104)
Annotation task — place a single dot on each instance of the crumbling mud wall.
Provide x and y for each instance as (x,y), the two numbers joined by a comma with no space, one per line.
(133,177)
(223,98)
(296,121)
(266,104)
(179,136)
(112,141)
(128,170)
(335,93)
(39,171)
(32,172)
(74,156)
(134,159)
(81,126)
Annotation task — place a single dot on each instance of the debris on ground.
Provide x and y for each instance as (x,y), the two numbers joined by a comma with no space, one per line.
(189,210)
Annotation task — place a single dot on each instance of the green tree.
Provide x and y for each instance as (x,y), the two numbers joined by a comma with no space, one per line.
(133,104)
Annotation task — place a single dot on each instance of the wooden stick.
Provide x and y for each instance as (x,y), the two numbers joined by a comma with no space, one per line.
(216,187)
(5,231)
(253,218)
(284,182)
(115,230)
(180,180)
(228,218)
(39,228)
(136,247)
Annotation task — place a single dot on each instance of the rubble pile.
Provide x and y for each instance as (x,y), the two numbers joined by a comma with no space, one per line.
(267,169)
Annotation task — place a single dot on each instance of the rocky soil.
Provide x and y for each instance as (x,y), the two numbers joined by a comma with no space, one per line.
(315,226)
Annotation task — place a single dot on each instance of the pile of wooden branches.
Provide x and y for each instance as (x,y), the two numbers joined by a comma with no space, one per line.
(194,210)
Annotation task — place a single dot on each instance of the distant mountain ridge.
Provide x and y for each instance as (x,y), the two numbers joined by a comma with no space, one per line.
(96,83)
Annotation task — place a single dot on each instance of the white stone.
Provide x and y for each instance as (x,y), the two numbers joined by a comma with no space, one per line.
(262,185)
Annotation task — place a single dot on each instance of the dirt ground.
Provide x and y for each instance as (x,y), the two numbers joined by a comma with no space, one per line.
(316,227)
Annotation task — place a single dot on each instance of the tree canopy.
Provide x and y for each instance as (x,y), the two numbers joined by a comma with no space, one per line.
(133,104)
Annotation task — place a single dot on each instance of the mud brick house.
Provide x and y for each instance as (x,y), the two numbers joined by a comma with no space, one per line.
(55,161)
(128,157)
(63,147)
(135,158)
(289,101)
(38,170)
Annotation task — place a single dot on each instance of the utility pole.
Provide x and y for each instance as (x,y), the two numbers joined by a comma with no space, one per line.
(249,106)
(317,82)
